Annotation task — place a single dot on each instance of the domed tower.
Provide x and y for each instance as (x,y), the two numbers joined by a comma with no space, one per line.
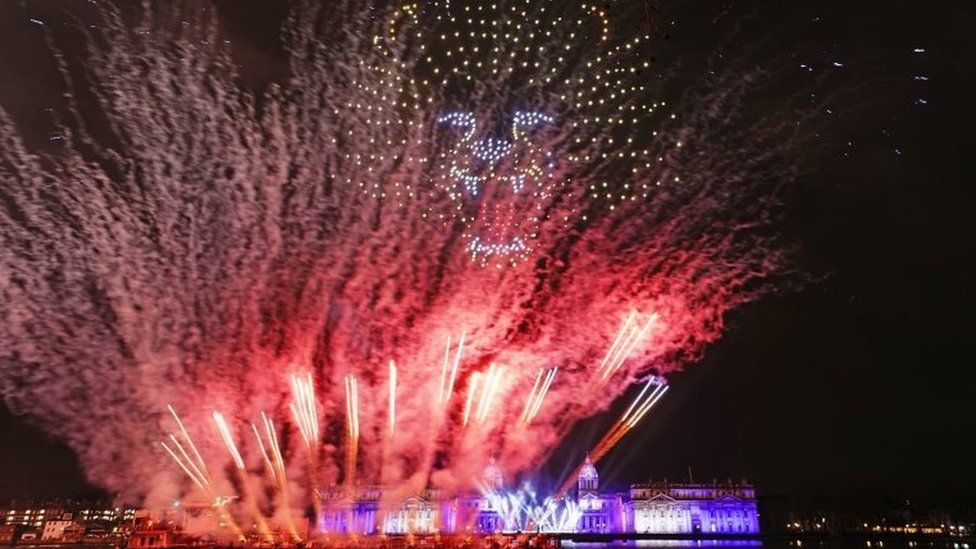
(589,480)
(493,477)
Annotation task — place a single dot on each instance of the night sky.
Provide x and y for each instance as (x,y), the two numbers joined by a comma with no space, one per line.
(859,384)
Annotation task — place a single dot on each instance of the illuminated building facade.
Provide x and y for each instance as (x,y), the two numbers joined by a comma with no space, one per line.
(39,515)
(368,513)
(600,512)
(64,522)
(653,508)
(689,508)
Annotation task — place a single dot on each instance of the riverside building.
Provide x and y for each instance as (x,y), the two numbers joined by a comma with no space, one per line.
(646,508)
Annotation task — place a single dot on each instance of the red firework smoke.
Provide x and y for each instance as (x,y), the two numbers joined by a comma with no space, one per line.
(487,200)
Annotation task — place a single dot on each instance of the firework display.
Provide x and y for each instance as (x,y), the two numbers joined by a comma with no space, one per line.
(455,230)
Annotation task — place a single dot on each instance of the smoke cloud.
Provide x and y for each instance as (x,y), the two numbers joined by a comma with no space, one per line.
(194,243)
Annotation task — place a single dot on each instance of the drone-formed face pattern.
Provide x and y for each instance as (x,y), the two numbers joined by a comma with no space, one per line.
(522,113)
(501,182)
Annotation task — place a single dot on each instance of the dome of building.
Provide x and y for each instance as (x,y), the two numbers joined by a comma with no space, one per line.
(588,471)
(589,480)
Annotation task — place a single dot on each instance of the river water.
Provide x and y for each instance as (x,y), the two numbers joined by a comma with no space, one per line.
(771,544)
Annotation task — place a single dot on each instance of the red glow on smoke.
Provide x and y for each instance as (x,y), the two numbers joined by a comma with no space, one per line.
(224,248)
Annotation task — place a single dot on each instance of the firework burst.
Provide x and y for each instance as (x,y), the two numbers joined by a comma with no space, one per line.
(303,409)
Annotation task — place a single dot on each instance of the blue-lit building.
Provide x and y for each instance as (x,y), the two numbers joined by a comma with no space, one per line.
(648,508)
(666,507)
(600,512)
(692,508)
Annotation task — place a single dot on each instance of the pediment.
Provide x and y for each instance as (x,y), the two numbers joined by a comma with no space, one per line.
(415,501)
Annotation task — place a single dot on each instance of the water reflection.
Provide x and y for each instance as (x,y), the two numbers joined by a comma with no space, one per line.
(769,544)
(664,543)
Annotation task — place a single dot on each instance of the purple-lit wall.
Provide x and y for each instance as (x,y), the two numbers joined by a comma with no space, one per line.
(660,508)
(694,508)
